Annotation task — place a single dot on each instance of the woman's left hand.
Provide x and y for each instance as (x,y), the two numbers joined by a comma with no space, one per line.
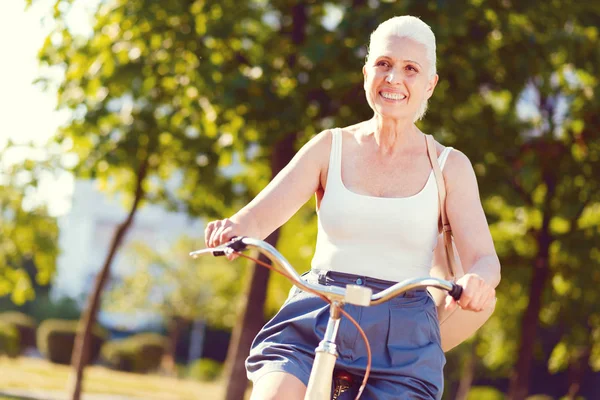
(477,295)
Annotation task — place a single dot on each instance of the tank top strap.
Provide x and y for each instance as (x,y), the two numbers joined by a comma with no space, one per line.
(444,156)
(335,157)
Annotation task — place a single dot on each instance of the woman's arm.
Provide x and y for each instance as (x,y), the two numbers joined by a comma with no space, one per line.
(471,233)
(280,199)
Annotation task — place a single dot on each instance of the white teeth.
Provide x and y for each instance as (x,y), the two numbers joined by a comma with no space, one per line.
(393,96)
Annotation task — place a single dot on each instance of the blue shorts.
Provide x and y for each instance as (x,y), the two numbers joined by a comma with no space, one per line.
(404,335)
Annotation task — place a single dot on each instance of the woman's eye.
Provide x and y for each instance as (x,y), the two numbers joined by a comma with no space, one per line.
(411,68)
(383,63)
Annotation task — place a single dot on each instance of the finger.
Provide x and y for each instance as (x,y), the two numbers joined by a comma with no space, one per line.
(215,234)
(476,300)
(450,303)
(232,256)
(208,233)
(219,235)
(225,234)
(489,301)
(465,299)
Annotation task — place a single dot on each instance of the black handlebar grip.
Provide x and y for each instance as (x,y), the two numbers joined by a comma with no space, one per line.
(235,243)
(456,291)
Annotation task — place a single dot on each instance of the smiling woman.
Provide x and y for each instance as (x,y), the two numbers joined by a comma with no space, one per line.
(378,209)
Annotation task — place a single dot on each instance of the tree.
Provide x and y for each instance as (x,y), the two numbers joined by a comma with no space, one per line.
(28,233)
(133,88)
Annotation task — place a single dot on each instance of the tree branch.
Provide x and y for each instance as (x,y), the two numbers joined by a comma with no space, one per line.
(514,183)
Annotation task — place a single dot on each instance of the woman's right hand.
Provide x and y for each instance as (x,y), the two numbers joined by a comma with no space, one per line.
(220,231)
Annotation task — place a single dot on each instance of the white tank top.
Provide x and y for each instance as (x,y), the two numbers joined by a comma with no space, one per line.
(384,238)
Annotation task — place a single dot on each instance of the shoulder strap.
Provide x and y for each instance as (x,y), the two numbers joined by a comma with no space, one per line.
(439,179)
(443,224)
(335,158)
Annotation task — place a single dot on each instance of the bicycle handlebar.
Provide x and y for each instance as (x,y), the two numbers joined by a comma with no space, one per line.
(333,293)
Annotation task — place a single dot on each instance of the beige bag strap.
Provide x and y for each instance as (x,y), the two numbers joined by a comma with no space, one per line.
(444,225)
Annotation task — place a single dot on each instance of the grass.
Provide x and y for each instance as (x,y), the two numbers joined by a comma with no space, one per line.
(40,375)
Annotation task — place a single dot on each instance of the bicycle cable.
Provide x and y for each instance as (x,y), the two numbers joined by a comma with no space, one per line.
(356,324)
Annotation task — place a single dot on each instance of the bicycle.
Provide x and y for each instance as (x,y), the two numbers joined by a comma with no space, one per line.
(321,377)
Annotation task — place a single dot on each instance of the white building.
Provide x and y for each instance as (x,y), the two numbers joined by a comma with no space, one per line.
(86,233)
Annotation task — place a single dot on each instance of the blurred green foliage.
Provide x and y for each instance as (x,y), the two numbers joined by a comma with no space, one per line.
(484,393)
(10,344)
(138,353)
(55,339)
(204,369)
(204,90)
(28,234)
(24,324)
(44,307)
(172,284)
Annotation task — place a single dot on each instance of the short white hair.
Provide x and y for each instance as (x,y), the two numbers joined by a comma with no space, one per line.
(407,26)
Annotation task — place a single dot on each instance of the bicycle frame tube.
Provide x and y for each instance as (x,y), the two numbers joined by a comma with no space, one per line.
(319,384)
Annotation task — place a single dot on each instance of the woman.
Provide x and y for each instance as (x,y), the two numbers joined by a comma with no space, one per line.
(378,210)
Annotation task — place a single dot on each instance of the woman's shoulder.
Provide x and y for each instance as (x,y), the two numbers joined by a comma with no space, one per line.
(319,146)
(357,132)
(458,170)
(456,158)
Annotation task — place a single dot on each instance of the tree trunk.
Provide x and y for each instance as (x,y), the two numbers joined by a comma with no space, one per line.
(169,360)
(468,373)
(519,382)
(252,318)
(82,340)
(577,371)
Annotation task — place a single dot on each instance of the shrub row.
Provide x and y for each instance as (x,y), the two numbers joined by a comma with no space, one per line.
(17,332)
(24,324)
(56,338)
(205,369)
(10,341)
(139,353)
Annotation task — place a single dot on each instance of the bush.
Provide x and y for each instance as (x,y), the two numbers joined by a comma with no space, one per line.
(484,393)
(205,369)
(9,340)
(55,339)
(44,307)
(138,353)
(24,323)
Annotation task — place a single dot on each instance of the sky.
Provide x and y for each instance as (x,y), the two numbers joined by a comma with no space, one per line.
(27,113)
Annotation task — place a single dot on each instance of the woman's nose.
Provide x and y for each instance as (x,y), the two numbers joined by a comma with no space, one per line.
(392,77)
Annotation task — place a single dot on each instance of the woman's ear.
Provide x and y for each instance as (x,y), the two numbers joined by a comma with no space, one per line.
(431,85)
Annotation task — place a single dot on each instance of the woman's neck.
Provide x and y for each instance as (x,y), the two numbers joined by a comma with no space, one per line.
(392,136)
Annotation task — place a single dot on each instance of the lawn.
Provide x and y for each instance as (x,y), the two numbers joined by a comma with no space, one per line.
(38,376)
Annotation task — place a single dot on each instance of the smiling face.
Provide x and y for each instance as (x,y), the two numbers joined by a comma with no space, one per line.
(397,78)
